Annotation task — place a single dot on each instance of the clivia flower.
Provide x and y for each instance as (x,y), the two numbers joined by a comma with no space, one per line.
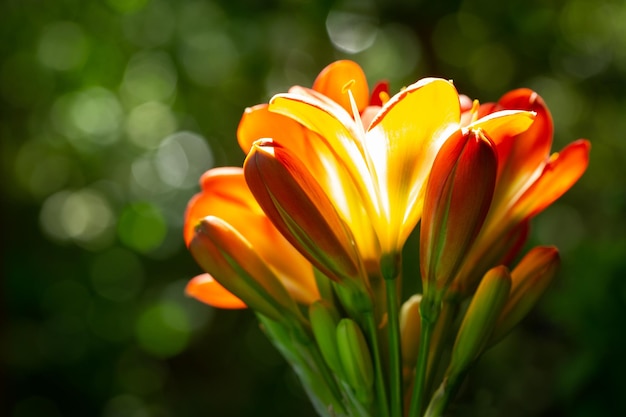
(375,175)
(333,183)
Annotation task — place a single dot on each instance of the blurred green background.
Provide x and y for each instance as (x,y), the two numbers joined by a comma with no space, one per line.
(111,110)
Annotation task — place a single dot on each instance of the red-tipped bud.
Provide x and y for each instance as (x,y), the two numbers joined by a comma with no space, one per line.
(458,194)
(300,210)
(227,256)
(530,278)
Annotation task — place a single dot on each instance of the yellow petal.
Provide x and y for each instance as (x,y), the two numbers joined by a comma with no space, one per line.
(504,124)
(342,141)
(402,143)
(322,162)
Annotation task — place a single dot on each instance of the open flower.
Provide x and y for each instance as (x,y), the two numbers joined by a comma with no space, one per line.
(225,197)
(375,175)
(333,183)
(314,152)
(529,180)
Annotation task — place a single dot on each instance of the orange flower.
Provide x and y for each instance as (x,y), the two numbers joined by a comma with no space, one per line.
(320,161)
(529,180)
(375,175)
(226,197)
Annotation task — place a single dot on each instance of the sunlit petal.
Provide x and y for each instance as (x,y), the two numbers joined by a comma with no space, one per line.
(523,156)
(259,123)
(402,143)
(504,124)
(323,164)
(558,176)
(340,136)
(206,289)
(333,80)
(225,194)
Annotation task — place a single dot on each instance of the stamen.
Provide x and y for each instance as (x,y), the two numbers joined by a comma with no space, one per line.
(553,157)
(347,86)
(474,111)
(384,97)
(355,110)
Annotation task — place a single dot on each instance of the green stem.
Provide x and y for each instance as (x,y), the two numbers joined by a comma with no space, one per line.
(379,381)
(296,346)
(442,397)
(439,336)
(429,310)
(395,355)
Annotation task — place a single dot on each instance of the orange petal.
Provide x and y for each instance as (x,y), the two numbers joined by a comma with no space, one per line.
(402,143)
(520,156)
(341,142)
(321,161)
(334,79)
(259,123)
(224,194)
(204,288)
(558,176)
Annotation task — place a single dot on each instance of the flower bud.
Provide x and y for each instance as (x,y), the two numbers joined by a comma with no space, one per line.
(530,278)
(458,194)
(356,360)
(480,318)
(324,319)
(301,211)
(225,254)
(410,327)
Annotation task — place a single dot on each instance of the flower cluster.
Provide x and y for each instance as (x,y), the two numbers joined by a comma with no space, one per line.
(310,233)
